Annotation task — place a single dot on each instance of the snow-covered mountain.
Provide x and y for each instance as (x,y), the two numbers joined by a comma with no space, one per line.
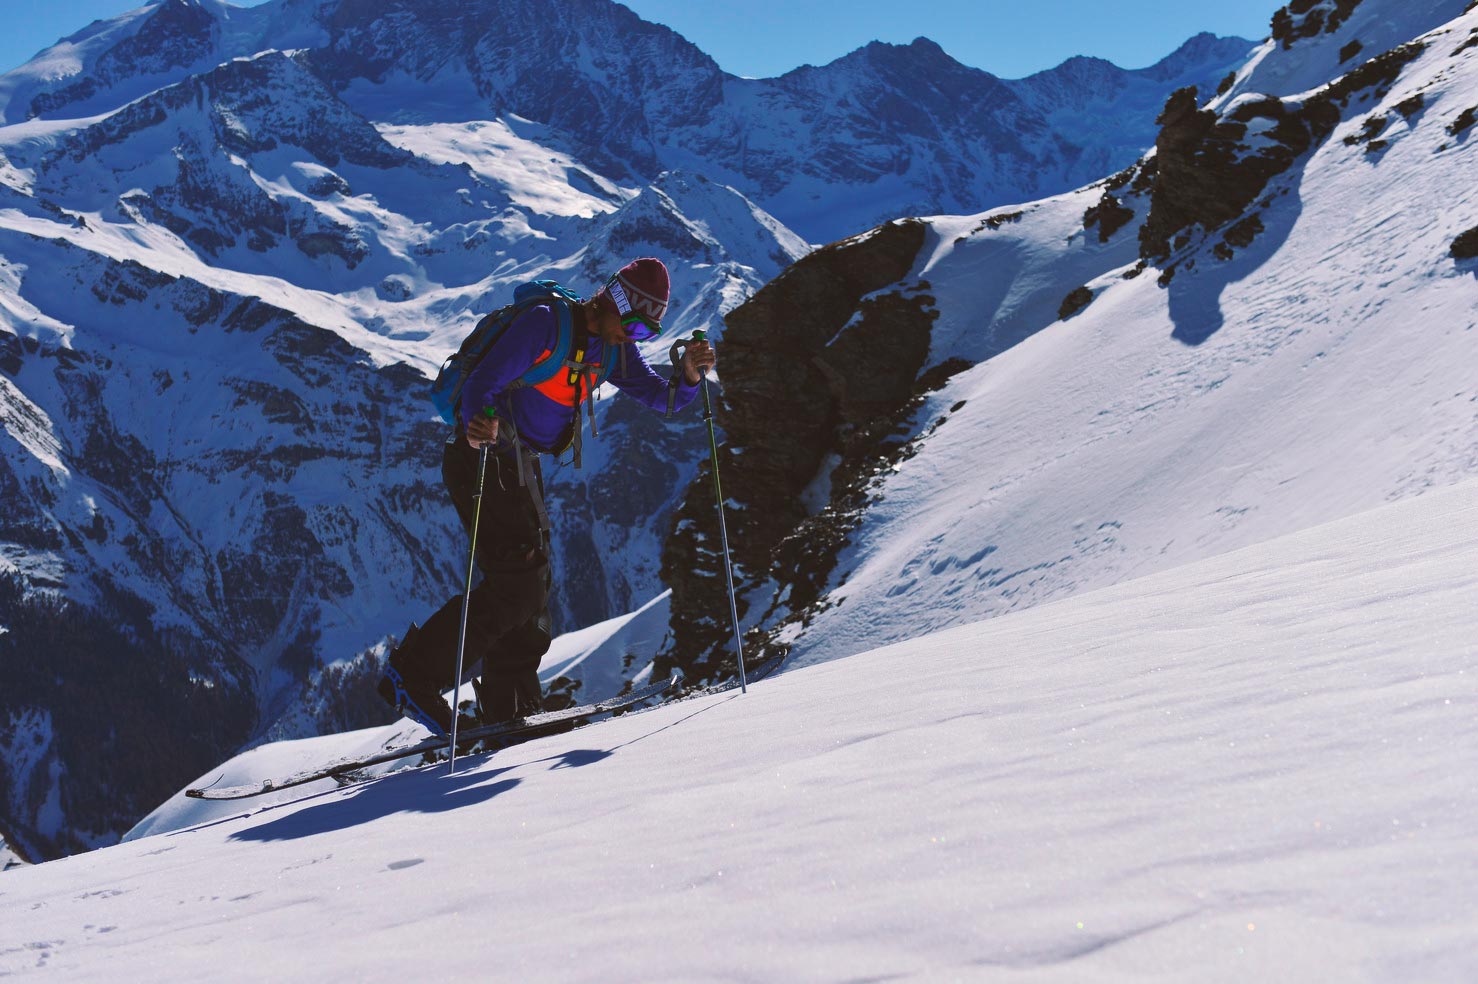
(233,242)
(1265,324)
(1257,766)
(888,130)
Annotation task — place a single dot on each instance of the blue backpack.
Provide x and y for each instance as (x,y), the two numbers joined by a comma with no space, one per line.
(446,392)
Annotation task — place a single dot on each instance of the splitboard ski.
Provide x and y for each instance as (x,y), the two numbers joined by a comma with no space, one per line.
(343,767)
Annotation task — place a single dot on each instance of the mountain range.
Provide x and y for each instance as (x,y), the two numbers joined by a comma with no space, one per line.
(886,131)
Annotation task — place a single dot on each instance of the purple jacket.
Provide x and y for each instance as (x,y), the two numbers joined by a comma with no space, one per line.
(542,420)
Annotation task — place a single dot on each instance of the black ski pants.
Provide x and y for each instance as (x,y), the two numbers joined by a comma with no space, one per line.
(508,625)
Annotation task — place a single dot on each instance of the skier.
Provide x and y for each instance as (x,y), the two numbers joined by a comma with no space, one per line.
(508,622)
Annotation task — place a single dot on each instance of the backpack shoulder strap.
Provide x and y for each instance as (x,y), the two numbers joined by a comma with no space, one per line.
(551,365)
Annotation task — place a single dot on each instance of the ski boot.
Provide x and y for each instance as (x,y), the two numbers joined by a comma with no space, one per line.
(419,702)
(503,697)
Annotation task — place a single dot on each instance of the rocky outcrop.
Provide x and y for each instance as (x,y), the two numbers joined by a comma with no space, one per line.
(86,747)
(1310,18)
(814,358)
(1465,246)
(1211,169)
(1208,172)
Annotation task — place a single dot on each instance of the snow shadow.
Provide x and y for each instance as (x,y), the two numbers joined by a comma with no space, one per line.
(1195,292)
(427,790)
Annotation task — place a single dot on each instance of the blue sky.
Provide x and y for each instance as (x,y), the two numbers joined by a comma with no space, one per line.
(762,38)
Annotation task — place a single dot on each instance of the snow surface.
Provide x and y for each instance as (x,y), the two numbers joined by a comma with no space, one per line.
(1378,26)
(1258,766)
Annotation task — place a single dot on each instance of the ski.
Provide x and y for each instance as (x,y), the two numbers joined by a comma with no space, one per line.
(342,767)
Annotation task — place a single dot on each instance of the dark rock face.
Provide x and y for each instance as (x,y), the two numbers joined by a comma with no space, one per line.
(1465,246)
(1310,18)
(81,718)
(1205,175)
(590,68)
(909,103)
(801,375)
(1109,215)
(1076,300)
(1208,170)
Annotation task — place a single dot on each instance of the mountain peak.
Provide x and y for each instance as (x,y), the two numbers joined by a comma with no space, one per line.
(112,62)
(920,50)
(1198,51)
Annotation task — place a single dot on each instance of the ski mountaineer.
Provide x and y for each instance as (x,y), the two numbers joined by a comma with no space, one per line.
(508,622)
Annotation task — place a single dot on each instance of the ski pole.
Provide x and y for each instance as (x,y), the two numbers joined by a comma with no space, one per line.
(718,491)
(482,467)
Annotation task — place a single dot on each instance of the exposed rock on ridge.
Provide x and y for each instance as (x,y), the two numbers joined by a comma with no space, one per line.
(1211,168)
(800,374)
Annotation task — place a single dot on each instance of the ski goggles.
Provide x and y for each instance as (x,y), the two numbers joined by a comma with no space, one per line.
(638,327)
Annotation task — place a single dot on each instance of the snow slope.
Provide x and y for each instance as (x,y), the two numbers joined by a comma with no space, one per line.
(1373,26)
(1255,767)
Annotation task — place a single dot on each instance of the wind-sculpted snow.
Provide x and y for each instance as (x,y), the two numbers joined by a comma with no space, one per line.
(1330,37)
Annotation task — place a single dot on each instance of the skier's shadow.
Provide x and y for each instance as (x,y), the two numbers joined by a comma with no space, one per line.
(427,790)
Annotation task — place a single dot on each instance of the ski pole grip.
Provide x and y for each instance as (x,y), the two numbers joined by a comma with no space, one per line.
(674,354)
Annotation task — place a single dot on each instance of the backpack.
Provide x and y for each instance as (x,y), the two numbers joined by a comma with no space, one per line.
(446,392)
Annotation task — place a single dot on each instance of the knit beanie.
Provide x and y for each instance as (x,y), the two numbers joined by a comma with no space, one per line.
(646,286)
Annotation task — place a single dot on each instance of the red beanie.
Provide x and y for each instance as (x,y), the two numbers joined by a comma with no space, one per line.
(646,287)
